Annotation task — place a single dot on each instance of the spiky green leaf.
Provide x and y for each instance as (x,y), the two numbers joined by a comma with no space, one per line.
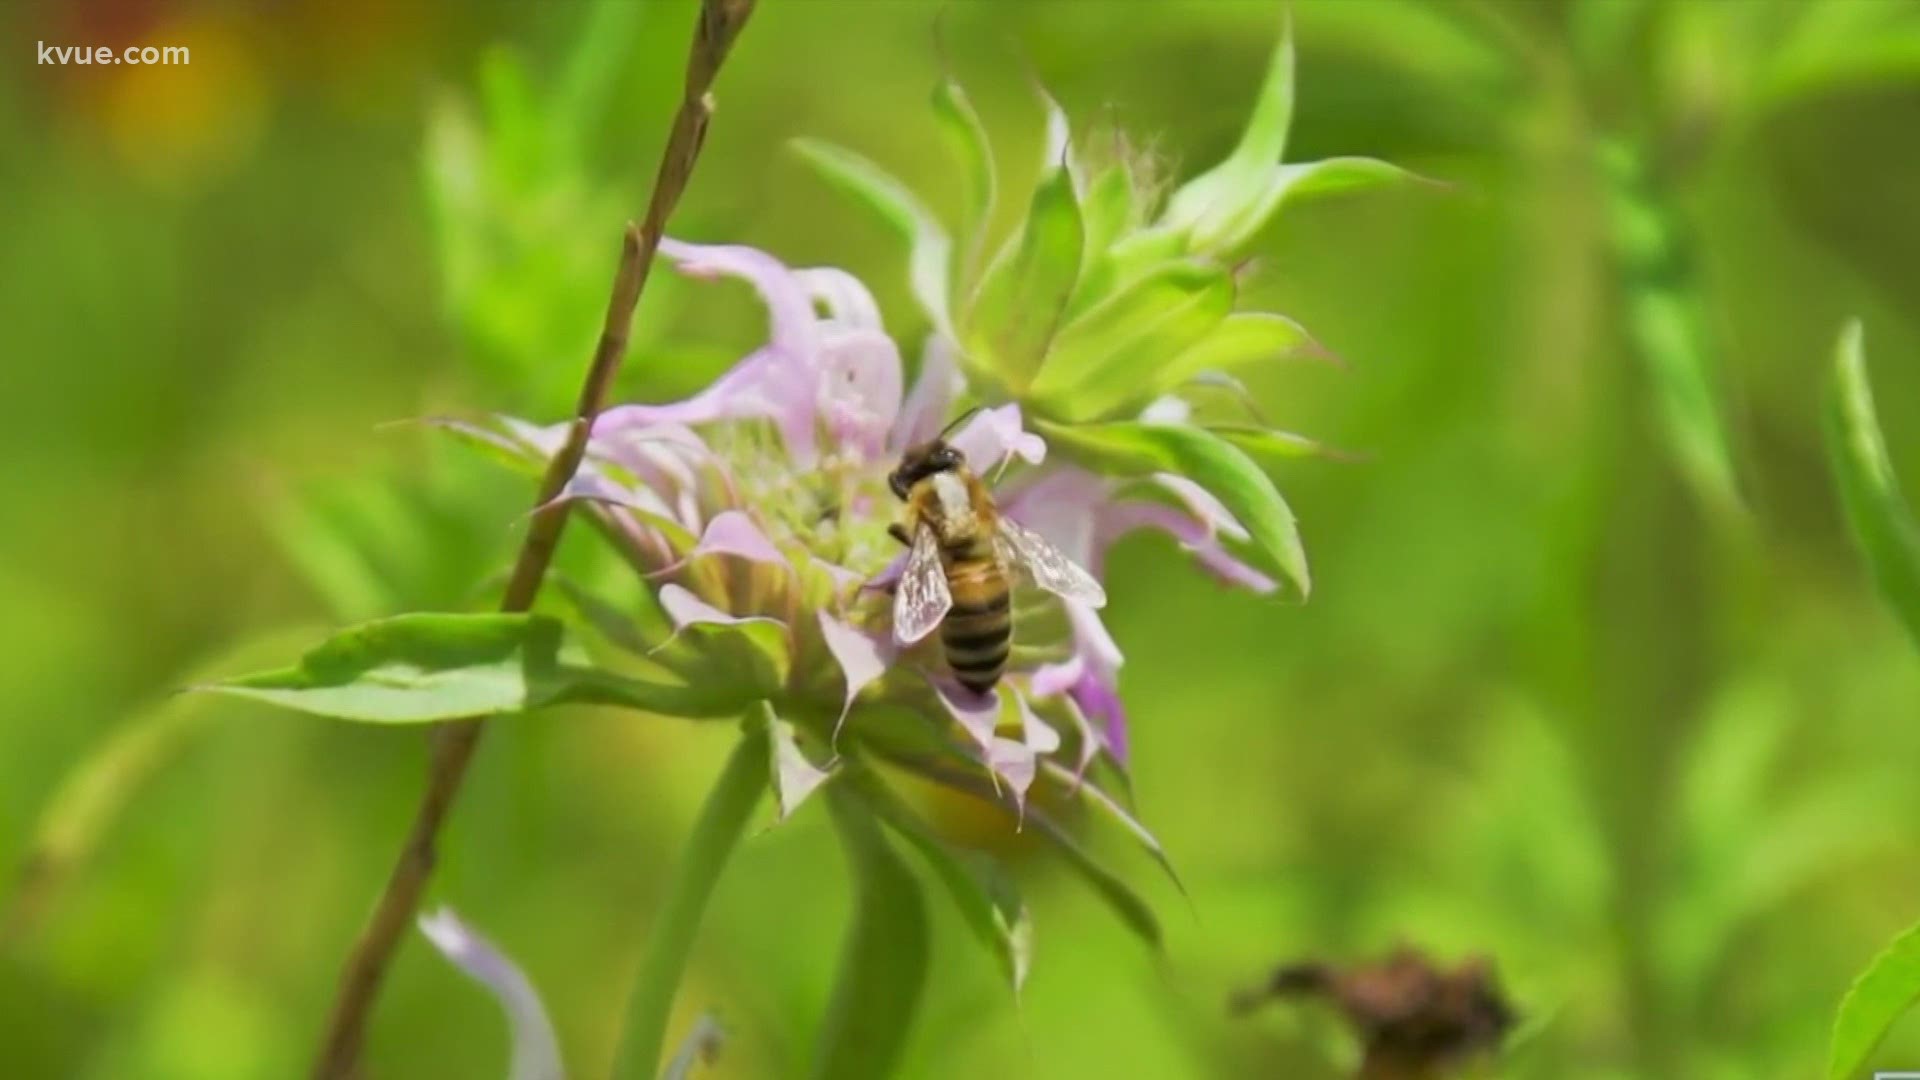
(1882,524)
(1137,448)
(1116,354)
(930,249)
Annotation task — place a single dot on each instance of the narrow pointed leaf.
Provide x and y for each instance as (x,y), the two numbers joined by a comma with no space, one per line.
(1126,903)
(418,668)
(1023,297)
(1239,340)
(983,891)
(1666,327)
(1132,909)
(883,964)
(1880,996)
(1128,259)
(1134,448)
(1109,808)
(1271,447)
(1291,183)
(930,249)
(1112,355)
(966,136)
(427,667)
(1882,524)
(1107,208)
(1237,183)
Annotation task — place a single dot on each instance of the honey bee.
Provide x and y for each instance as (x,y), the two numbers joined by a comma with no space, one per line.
(962,555)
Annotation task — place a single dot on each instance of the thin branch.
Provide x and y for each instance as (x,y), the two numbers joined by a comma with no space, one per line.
(454,743)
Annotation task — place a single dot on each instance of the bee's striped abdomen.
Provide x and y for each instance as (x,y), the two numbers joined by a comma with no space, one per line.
(979,627)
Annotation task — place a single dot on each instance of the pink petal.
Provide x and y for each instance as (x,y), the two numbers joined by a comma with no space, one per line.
(747,389)
(858,389)
(862,659)
(1092,641)
(794,777)
(979,714)
(1063,505)
(1040,736)
(791,328)
(1232,571)
(1194,534)
(1090,741)
(847,301)
(536,1052)
(591,487)
(1052,680)
(1016,763)
(770,383)
(995,434)
(1203,505)
(686,609)
(925,410)
(734,533)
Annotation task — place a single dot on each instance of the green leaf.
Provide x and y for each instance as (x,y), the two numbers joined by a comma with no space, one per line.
(1882,993)
(967,137)
(1114,354)
(1269,447)
(1136,448)
(930,249)
(1132,909)
(1226,191)
(883,964)
(1108,208)
(1023,298)
(723,817)
(979,886)
(1289,183)
(1882,524)
(1241,339)
(1125,902)
(1664,325)
(1129,258)
(426,667)
(1107,807)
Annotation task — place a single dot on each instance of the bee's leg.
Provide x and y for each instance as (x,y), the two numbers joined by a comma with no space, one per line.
(899,532)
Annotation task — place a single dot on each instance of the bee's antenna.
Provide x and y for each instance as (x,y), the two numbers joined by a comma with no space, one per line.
(958,420)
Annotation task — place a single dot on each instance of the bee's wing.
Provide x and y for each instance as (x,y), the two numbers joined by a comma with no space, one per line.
(922,598)
(1019,546)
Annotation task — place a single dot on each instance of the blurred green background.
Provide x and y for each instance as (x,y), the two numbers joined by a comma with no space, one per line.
(1563,696)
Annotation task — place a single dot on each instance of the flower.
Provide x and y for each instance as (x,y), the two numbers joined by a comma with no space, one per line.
(536,1052)
(758,510)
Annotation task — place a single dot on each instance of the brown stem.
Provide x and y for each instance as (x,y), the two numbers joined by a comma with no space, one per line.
(454,743)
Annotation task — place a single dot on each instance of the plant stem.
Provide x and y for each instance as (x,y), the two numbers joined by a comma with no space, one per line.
(722,819)
(883,964)
(720,22)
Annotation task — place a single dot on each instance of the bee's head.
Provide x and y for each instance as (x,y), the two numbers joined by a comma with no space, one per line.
(922,461)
